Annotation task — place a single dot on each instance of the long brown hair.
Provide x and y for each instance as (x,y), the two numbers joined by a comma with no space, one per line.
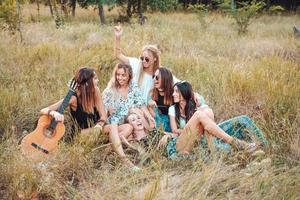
(155,52)
(86,89)
(166,78)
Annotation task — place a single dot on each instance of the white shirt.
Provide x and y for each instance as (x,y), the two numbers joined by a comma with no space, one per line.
(172,113)
(147,83)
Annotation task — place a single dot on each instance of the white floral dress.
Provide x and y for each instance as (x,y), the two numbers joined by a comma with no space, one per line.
(120,105)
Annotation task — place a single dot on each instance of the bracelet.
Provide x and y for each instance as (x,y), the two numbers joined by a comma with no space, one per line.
(101,120)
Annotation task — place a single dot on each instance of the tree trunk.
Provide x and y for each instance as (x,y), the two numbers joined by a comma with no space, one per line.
(140,12)
(73,6)
(129,6)
(57,17)
(38,9)
(101,12)
(50,6)
(18,8)
(64,7)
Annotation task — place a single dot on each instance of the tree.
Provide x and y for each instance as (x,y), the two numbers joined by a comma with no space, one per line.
(10,12)
(99,4)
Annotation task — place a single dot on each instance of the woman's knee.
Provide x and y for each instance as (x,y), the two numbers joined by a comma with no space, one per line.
(200,115)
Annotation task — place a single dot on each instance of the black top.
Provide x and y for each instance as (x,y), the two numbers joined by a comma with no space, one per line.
(164,109)
(84,119)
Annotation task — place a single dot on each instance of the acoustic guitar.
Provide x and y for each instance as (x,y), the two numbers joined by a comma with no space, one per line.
(43,141)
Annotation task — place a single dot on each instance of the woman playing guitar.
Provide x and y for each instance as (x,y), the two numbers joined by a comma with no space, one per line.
(87,109)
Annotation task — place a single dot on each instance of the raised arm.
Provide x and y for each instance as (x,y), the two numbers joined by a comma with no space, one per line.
(118,53)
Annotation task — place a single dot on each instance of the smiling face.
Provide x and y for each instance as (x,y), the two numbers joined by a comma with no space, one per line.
(147,59)
(122,77)
(176,95)
(135,121)
(157,79)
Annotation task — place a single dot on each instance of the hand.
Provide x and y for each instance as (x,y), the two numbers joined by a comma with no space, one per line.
(57,116)
(152,103)
(164,140)
(118,30)
(151,122)
(197,101)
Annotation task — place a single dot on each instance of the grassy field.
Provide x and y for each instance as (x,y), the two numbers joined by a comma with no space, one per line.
(257,74)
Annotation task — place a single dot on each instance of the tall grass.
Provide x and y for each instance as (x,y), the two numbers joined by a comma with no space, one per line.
(257,74)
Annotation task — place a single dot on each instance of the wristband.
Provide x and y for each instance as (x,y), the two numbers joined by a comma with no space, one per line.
(49,111)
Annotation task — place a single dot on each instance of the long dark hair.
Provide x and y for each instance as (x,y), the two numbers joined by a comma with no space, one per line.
(186,91)
(86,89)
(166,84)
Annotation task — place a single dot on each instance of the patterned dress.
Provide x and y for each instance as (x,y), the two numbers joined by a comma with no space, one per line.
(241,127)
(120,105)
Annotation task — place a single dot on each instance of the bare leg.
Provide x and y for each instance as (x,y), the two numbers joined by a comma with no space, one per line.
(116,142)
(125,130)
(209,138)
(194,129)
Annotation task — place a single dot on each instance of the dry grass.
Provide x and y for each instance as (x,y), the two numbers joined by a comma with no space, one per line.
(257,74)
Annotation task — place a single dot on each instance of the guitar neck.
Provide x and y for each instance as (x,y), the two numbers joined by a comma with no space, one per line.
(62,108)
(65,102)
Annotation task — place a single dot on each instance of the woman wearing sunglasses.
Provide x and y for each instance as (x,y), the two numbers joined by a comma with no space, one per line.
(143,67)
(161,98)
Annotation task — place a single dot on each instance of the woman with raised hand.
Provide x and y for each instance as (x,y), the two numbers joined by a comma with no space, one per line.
(144,67)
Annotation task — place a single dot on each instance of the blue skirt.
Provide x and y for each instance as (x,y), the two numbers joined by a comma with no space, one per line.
(241,127)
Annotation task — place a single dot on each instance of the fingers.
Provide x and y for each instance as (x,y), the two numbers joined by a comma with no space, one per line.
(58,117)
(163,141)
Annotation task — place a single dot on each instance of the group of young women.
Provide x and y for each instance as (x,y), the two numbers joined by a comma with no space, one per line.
(143,95)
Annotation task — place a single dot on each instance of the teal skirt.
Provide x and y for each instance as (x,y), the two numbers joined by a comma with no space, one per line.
(241,127)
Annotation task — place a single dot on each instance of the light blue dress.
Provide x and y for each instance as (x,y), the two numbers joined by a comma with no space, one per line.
(120,105)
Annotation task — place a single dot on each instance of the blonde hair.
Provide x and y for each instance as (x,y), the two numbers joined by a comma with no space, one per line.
(113,84)
(156,54)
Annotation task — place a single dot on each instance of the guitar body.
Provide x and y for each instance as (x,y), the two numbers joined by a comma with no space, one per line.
(41,142)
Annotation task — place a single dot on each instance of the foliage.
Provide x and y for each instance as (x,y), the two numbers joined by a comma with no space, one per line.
(273,10)
(9,14)
(202,11)
(162,5)
(244,13)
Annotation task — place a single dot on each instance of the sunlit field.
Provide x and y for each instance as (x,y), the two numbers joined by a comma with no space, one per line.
(257,74)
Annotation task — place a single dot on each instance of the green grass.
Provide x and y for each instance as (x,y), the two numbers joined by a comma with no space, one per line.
(257,74)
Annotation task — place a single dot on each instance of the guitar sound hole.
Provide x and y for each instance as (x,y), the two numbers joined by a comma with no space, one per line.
(48,132)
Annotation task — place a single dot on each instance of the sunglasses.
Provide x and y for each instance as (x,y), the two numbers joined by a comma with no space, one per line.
(144,58)
(156,77)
